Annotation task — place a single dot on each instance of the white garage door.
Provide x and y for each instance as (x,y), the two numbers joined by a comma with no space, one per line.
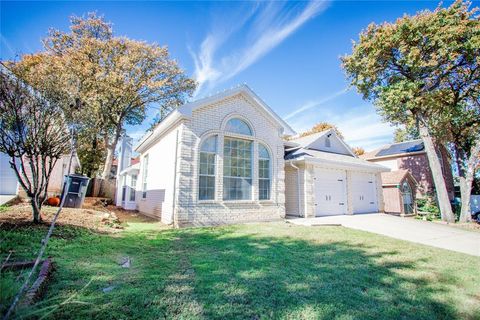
(330,192)
(8,180)
(364,193)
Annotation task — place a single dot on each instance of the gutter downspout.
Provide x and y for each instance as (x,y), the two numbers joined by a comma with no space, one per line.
(298,187)
(175,179)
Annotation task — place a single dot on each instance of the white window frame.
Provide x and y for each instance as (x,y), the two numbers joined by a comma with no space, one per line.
(215,171)
(269,179)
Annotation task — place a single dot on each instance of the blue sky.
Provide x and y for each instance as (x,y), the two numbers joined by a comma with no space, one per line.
(287,52)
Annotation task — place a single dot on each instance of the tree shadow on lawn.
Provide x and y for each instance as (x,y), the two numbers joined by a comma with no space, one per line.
(263,277)
(220,273)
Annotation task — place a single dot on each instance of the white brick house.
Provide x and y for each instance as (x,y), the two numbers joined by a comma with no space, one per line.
(216,160)
(213,161)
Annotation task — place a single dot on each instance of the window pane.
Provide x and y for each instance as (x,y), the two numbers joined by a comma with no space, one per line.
(264,189)
(132,194)
(206,188)
(263,152)
(206,179)
(238,126)
(237,164)
(237,188)
(209,145)
(263,173)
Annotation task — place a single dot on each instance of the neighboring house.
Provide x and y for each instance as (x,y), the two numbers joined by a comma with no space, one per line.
(221,160)
(114,169)
(127,169)
(324,177)
(9,184)
(399,189)
(411,156)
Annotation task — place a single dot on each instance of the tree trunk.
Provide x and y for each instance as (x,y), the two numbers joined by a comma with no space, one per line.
(436,169)
(37,217)
(111,151)
(467,172)
(107,167)
(465,191)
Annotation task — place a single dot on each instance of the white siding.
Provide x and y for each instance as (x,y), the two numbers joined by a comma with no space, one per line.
(160,178)
(336,146)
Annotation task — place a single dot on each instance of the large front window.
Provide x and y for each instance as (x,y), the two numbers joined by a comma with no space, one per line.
(206,179)
(237,169)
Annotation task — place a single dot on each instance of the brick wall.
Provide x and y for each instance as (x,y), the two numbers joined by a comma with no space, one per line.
(420,170)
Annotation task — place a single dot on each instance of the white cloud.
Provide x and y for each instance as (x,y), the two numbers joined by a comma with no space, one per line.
(366,130)
(315,103)
(270,25)
(360,125)
(7,45)
(137,135)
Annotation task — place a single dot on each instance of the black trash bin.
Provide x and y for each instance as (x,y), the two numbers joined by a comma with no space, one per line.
(77,190)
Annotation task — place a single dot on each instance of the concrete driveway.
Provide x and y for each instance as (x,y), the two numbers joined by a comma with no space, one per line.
(6,198)
(424,232)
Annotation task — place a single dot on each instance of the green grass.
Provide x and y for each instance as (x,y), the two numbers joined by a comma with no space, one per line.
(254,271)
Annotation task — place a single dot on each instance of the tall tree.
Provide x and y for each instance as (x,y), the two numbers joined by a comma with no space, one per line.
(33,133)
(115,78)
(405,68)
(409,132)
(322,126)
(462,128)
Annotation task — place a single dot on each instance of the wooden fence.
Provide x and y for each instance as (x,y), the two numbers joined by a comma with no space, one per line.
(102,188)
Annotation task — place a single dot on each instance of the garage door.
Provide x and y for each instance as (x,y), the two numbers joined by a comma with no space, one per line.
(364,195)
(8,180)
(330,192)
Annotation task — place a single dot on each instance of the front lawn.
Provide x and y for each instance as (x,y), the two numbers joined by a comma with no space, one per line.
(252,271)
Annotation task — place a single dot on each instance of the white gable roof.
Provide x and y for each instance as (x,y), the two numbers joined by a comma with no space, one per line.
(185,111)
(188,108)
(316,141)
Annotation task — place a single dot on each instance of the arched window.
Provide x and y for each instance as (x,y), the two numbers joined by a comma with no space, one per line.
(263,173)
(236,125)
(206,177)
